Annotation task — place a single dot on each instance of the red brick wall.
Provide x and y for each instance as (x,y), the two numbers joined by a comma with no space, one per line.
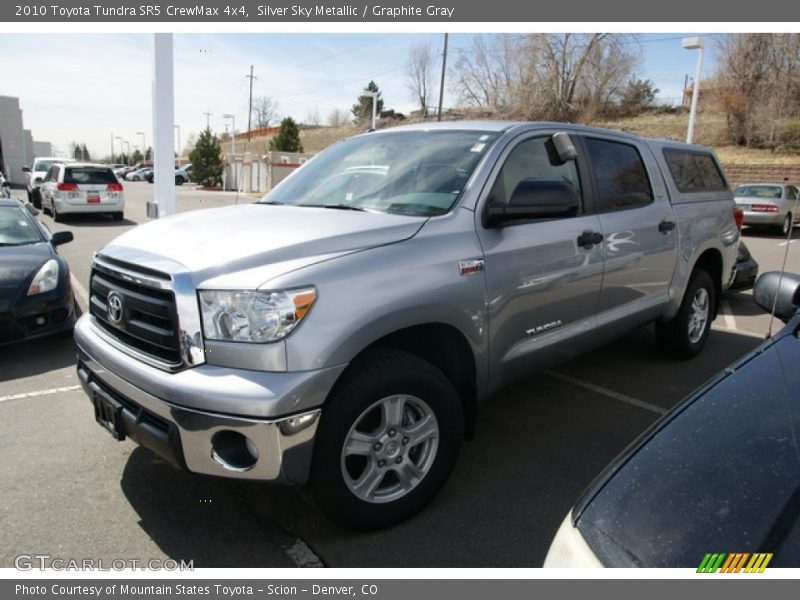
(737,174)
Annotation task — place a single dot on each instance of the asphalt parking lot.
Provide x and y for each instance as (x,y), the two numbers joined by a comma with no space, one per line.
(71,491)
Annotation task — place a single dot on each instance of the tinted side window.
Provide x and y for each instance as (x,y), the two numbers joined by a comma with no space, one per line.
(694,171)
(533,159)
(622,180)
(791,192)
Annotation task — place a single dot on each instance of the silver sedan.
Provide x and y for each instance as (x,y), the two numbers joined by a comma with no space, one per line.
(772,204)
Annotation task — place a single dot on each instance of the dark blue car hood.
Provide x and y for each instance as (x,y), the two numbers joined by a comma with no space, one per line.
(720,473)
(17,266)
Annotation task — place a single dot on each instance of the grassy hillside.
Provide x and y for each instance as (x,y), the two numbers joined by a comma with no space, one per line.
(709,131)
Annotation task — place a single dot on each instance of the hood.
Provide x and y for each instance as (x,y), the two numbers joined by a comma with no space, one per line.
(720,474)
(17,264)
(235,238)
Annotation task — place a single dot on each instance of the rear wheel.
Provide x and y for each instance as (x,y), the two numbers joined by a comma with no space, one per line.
(686,334)
(178,180)
(36,198)
(57,217)
(388,439)
(786,226)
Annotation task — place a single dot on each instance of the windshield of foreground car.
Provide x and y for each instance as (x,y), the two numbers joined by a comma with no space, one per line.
(405,172)
(758,191)
(16,229)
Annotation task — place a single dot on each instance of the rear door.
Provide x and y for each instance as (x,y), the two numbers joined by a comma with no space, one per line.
(543,283)
(638,227)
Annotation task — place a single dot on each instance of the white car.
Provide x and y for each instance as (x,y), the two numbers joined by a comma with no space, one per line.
(773,204)
(82,188)
(35,175)
(137,175)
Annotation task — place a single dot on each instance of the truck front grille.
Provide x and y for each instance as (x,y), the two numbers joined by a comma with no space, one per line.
(140,317)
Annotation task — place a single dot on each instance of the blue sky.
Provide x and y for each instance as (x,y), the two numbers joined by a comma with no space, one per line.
(86,87)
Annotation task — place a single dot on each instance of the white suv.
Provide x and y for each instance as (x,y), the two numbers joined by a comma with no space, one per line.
(82,188)
(35,175)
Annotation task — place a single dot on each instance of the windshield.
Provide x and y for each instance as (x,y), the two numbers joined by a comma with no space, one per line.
(404,172)
(16,229)
(758,191)
(43,165)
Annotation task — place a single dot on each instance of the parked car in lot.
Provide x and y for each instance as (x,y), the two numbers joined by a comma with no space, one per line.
(771,204)
(35,174)
(138,174)
(81,188)
(36,297)
(720,473)
(745,269)
(181,175)
(344,339)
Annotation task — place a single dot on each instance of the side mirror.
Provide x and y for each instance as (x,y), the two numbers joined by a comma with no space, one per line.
(564,147)
(38,180)
(26,169)
(61,237)
(783,292)
(535,199)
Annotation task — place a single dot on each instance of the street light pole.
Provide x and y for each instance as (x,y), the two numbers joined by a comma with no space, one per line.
(694,43)
(116,137)
(374,96)
(144,146)
(178,128)
(233,148)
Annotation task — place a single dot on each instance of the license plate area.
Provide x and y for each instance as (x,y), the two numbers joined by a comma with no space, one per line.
(93,199)
(108,414)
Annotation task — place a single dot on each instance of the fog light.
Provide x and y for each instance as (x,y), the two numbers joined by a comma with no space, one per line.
(233,450)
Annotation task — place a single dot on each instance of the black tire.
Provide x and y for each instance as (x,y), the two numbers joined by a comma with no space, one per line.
(30,197)
(683,336)
(786,226)
(178,180)
(57,217)
(36,199)
(381,379)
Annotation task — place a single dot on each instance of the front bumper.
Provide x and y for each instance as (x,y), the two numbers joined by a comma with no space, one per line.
(205,440)
(36,318)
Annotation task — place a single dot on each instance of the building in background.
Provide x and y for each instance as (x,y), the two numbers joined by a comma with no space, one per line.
(17,146)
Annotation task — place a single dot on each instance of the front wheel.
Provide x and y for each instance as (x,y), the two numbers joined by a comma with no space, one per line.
(388,439)
(686,334)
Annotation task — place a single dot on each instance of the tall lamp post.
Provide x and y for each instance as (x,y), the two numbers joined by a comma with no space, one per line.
(116,137)
(694,43)
(233,149)
(144,146)
(178,129)
(374,96)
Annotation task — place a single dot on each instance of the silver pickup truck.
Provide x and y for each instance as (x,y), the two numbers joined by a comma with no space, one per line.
(341,332)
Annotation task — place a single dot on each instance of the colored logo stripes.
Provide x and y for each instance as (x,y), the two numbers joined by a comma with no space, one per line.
(735,562)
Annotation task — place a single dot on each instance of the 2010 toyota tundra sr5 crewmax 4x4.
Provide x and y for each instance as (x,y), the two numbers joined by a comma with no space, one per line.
(341,331)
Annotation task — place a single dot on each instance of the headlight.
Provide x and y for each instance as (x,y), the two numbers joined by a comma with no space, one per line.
(46,279)
(258,317)
(569,549)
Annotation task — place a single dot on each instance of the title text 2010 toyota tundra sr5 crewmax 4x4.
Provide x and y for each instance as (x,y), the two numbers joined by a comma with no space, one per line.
(341,331)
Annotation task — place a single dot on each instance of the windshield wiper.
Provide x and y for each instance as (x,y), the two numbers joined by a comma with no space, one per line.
(272,202)
(336,206)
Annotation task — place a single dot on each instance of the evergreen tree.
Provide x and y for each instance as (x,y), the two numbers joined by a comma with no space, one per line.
(288,137)
(206,159)
(362,111)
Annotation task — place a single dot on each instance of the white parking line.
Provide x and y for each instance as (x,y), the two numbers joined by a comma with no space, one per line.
(727,316)
(36,394)
(785,243)
(80,292)
(611,394)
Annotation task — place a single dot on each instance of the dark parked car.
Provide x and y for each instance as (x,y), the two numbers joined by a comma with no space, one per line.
(719,474)
(36,297)
(745,269)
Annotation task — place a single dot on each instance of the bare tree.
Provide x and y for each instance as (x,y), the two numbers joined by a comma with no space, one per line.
(312,116)
(486,73)
(757,85)
(265,111)
(338,117)
(420,75)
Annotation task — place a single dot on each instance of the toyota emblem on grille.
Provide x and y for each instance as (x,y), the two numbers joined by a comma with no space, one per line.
(115,307)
